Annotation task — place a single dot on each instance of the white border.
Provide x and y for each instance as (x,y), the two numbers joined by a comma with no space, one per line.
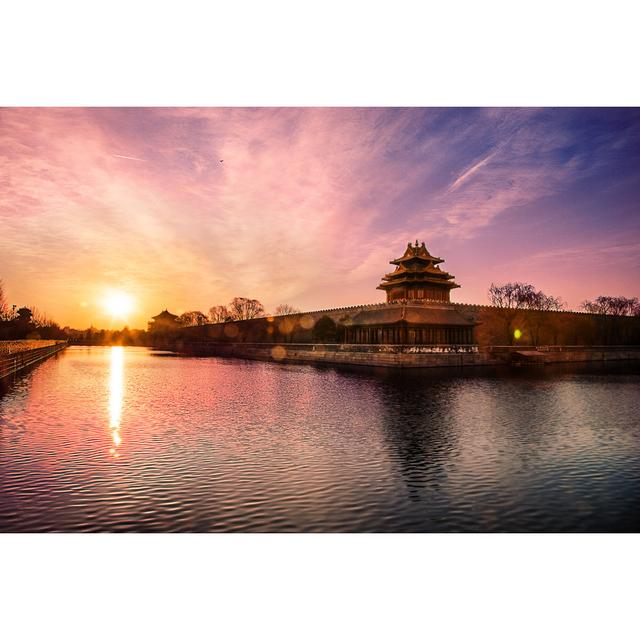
(330,53)
(319,586)
(492,53)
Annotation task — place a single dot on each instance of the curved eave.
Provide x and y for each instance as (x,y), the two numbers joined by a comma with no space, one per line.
(408,273)
(164,317)
(433,259)
(419,279)
(389,285)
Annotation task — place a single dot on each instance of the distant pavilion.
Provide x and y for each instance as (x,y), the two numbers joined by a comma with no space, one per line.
(163,322)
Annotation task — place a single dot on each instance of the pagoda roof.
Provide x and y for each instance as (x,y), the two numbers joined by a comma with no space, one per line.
(441,282)
(412,276)
(401,271)
(416,251)
(164,315)
(417,266)
(437,316)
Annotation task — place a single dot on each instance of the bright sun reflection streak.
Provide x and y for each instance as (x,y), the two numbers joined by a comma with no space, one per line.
(116,393)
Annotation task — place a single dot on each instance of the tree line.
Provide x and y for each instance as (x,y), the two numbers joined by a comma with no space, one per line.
(509,299)
(26,322)
(613,306)
(238,309)
(522,295)
(516,317)
(511,295)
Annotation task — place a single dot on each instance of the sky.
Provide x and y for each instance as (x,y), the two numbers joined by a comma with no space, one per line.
(186,208)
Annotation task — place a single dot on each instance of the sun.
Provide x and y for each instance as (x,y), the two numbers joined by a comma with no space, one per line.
(118,304)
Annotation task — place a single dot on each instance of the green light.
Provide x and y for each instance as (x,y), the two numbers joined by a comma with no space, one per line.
(517,334)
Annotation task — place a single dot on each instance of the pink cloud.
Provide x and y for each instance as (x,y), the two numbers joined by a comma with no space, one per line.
(188,207)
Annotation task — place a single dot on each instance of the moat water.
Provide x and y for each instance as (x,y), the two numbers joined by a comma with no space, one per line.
(125,439)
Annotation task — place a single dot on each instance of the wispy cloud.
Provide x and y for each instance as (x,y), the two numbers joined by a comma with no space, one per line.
(115,155)
(469,172)
(308,206)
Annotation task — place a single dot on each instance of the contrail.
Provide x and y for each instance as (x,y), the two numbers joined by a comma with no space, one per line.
(115,155)
(469,172)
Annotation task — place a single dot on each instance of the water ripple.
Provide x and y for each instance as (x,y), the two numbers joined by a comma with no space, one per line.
(101,439)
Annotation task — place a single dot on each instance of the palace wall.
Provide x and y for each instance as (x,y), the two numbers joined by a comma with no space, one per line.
(495,326)
(296,327)
(422,319)
(498,326)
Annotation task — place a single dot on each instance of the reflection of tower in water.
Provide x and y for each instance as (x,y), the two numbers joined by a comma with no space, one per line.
(116,391)
(418,430)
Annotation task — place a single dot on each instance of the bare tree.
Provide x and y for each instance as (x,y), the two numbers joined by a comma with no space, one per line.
(245,309)
(613,306)
(543,302)
(4,305)
(521,295)
(506,296)
(39,318)
(538,301)
(219,313)
(513,297)
(192,319)
(285,310)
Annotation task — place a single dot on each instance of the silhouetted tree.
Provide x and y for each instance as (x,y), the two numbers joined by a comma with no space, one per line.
(51,331)
(219,313)
(506,296)
(613,306)
(24,322)
(4,305)
(542,302)
(39,318)
(245,309)
(537,301)
(285,310)
(512,297)
(192,319)
(521,295)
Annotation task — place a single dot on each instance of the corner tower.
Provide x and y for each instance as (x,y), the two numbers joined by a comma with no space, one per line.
(417,276)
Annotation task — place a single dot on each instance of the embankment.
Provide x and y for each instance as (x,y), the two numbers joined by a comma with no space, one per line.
(18,355)
(407,356)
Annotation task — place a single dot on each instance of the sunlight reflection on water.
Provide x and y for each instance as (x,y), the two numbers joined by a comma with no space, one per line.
(116,393)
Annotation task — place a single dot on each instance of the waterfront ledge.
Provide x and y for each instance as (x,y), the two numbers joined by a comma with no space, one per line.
(408,356)
(18,355)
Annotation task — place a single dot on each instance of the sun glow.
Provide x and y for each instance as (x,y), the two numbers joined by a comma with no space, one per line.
(118,304)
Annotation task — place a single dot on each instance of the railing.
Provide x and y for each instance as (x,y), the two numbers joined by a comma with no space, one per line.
(400,348)
(14,359)
(334,347)
(557,348)
(410,348)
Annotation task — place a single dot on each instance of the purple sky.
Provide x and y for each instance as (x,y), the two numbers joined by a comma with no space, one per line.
(310,205)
